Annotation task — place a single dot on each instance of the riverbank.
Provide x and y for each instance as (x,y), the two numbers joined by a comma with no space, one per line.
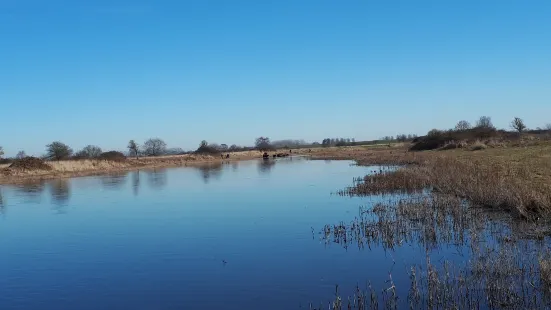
(515,178)
(78,168)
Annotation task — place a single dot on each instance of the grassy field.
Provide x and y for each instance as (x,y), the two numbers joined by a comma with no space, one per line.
(513,178)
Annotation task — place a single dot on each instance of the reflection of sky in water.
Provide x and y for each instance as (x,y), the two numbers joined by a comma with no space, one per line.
(157,238)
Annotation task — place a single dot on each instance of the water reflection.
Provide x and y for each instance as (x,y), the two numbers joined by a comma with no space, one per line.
(209,171)
(156,178)
(266,165)
(60,191)
(2,202)
(136,182)
(31,191)
(234,166)
(114,181)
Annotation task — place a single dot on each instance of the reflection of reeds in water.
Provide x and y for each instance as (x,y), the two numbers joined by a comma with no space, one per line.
(211,171)
(504,267)
(114,180)
(60,191)
(425,220)
(136,182)
(266,165)
(157,178)
(2,202)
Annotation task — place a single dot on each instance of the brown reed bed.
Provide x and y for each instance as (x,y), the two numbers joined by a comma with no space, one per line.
(493,182)
(387,181)
(502,269)
(493,279)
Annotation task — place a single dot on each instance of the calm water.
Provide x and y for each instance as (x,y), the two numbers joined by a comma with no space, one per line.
(233,236)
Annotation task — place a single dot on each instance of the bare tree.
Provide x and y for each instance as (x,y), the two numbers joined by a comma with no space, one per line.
(434,133)
(133,148)
(233,147)
(58,151)
(484,122)
(154,147)
(462,125)
(263,144)
(89,152)
(1,152)
(547,127)
(518,124)
(20,155)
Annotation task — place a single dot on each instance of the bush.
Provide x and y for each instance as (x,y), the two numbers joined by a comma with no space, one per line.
(4,161)
(207,149)
(30,163)
(438,139)
(478,145)
(112,156)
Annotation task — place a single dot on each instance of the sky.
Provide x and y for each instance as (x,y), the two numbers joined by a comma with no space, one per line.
(104,72)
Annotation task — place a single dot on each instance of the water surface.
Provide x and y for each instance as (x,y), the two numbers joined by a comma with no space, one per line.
(241,235)
(237,236)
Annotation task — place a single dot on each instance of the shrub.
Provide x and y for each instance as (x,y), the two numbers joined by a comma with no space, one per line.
(438,139)
(478,145)
(112,156)
(30,163)
(207,149)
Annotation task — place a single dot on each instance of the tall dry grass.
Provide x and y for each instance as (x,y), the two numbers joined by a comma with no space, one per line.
(516,180)
(489,184)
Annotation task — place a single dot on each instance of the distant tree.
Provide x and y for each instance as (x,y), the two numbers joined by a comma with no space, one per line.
(154,147)
(353,140)
(58,151)
(547,127)
(402,138)
(340,142)
(1,152)
(174,151)
(223,147)
(206,148)
(263,144)
(434,133)
(233,147)
(215,146)
(20,155)
(462,125)
(89,152)
(326,142)
(133,148)
(518,124)
(484,122)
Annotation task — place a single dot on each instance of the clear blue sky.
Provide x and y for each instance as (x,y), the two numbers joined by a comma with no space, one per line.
(103,72)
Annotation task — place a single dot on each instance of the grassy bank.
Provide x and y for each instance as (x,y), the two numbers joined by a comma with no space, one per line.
(490,203)
(76,168)
(516,178)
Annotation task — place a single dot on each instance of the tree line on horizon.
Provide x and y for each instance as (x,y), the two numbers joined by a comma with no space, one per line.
(157,147)
(485,122)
